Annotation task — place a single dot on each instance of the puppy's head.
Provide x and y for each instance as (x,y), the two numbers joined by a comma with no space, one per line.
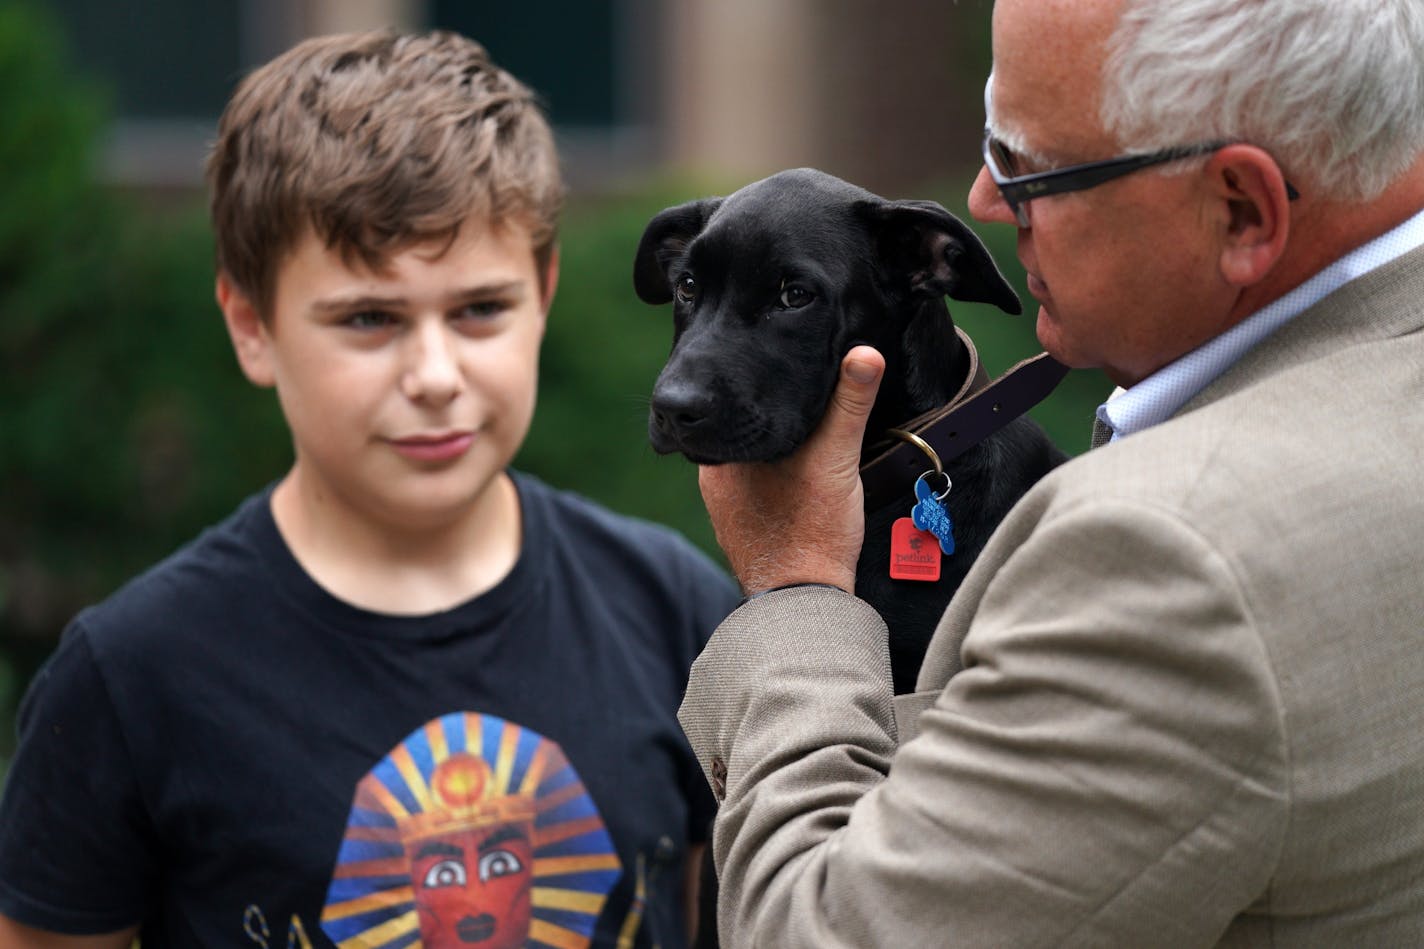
(772,285)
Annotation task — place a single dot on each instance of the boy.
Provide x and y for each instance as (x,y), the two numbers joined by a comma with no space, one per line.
(404,695)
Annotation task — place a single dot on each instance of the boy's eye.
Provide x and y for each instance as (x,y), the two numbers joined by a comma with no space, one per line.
(483,309)
(368,320)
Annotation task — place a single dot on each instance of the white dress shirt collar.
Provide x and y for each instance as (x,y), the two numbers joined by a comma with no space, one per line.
(1156,398)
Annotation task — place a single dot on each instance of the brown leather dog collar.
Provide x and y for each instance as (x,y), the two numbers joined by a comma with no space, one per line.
(978,410)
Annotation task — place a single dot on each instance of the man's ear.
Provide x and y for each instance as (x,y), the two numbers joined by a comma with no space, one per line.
(1254,193)
(664,239)
(251,340)
(937,253)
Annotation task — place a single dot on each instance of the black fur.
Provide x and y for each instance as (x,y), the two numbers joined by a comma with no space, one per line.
(771,287)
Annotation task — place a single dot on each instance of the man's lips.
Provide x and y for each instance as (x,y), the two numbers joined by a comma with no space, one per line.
(443,446)
(1028,257)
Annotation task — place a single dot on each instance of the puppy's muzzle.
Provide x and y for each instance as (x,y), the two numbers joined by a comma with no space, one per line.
(680,416)
(711,423)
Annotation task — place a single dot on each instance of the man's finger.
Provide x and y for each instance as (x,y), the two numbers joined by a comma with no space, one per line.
(861,371)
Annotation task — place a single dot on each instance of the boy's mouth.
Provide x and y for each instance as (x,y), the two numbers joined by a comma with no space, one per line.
(434,447)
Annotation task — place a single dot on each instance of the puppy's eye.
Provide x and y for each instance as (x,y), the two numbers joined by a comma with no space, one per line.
(794,298)
(685,289)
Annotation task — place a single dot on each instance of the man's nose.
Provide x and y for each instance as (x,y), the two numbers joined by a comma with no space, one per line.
(986,203)
(432,372)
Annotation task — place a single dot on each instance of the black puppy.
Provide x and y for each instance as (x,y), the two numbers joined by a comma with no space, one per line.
(770,288)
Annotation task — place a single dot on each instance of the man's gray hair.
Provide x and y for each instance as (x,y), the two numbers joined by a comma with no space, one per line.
(1333,89)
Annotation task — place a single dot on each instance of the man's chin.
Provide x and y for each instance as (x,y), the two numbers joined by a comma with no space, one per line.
(1047,330)
(1050,337)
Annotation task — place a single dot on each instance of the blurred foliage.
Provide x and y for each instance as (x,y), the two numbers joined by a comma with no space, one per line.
(127,426)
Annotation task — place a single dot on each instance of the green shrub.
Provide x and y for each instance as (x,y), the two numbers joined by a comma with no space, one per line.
(126,426)
(53,226)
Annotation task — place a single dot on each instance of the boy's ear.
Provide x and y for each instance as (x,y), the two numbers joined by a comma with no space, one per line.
(551,279)
(251,340)
(1254,191)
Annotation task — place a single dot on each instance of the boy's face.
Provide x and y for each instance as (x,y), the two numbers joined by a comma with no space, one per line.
(409,390)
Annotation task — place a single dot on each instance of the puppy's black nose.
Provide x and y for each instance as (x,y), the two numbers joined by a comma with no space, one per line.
(678,408)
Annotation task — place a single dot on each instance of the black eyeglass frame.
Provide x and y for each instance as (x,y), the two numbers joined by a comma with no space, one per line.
(1019,190)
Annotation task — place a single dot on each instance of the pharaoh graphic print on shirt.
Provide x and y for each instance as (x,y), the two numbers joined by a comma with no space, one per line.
(472,831)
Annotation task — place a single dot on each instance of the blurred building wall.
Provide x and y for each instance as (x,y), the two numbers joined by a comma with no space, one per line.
(885,93)
(739,85)
(881,93)
(336,16)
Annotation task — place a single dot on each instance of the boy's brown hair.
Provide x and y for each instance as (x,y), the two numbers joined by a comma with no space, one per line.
(376,141)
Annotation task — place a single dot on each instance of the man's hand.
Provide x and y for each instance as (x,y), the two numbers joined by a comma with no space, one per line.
(800,520)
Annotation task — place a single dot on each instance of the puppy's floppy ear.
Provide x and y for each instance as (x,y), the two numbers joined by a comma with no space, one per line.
(938,253)
(664,239)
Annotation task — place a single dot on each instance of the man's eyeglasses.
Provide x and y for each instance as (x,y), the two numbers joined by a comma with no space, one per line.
(1019,189)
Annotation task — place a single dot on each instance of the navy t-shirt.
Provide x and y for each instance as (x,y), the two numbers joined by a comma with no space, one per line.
(228,753)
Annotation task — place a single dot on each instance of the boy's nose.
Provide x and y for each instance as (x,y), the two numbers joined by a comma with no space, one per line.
(432,374)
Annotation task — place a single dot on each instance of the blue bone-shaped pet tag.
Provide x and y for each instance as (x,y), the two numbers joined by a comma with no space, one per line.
(931,515)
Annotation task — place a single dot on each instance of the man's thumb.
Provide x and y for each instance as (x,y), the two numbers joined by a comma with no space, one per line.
(855,392)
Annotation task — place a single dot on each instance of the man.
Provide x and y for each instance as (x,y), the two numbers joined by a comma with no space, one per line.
(1176,702)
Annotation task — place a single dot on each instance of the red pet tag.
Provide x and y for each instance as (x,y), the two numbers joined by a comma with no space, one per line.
(914,554)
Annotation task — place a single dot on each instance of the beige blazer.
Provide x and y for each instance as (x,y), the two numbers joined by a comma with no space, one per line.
(1179,701)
